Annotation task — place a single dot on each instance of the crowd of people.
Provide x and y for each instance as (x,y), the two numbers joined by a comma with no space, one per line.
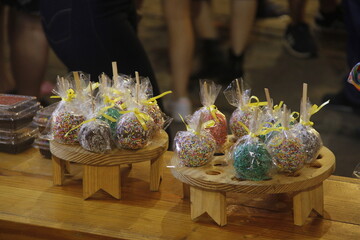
(87,35)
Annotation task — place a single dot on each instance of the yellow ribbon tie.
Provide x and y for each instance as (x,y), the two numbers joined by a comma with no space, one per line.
(109,117)
(257,102)
(247,129)
(152,101)
(278,107)
(70,95)
(141,117)
(308,123)
(314,108)
(209,124)
(92,119)
(213,110)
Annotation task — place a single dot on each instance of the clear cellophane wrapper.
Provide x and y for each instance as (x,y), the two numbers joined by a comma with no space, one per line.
(110,102)
(250,156)
(209,91)
(243,111)
(310,138)
(286,148)
(149,104)
(134,129)
(71,110)
(194,147)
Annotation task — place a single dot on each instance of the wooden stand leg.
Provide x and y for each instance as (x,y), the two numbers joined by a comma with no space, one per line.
(67,167)
(58,170)
(186,191)
(214,203)
(156,173)
(107,178)
(304,202)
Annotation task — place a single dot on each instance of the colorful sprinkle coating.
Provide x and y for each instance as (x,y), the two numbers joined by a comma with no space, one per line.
(311,140)
(194,150)
(287,152)
(114,113)
(155,112)
(95,136)
(130,134)
(252,161)
(219,130)
(239,116)
(62,123)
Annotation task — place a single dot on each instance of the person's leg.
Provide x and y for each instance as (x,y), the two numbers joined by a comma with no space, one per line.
(330,15)
(242,20)
(181,48)
(28,52)
(211,56)
(181,43)
(298,40)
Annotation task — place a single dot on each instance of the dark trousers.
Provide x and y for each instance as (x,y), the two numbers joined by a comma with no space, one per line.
(352,21)
(87,35)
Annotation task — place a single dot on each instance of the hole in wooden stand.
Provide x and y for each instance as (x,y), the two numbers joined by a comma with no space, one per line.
(212,172)
(237,179)
(220,163)
(219,154)
(319,156)
(315,164)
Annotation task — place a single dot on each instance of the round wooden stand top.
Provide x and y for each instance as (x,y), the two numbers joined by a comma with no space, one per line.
(218,176)
(75,153)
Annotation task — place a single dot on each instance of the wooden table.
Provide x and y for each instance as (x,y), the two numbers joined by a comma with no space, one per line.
(31,207)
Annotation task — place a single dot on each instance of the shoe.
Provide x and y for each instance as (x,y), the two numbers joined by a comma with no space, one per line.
(234,69)
(181,106)
(268,9)
(330,21)
(211,60)
(299,42)
(341,102)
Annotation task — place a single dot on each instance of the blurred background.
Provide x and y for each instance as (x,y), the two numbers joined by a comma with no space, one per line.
(267,64)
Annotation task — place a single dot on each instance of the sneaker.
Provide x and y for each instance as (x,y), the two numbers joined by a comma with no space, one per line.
(299,42)
(181,106)
(330,21)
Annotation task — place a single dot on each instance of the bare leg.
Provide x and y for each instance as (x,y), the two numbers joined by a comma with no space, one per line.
(297,11)
(242,19)
(181,43)
(29,52)
(203,20)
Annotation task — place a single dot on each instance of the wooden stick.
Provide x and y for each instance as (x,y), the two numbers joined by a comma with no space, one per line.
(268,99)
(103,80)
(137,86)
(77,84)
(198,127)
(303,100)
(206,93)
(92,98)
(284,116)
(238,91)
(115,73)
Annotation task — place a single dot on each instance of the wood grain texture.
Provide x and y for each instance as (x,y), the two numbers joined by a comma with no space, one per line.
(32,208)
(105,178)
(306,201)
(210,202)
(59,166)
(221,177)
(75,153)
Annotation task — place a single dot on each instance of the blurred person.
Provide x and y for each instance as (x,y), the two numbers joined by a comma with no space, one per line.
(181,43)
(298,39)
(87,35)
(349,96)
(28,46)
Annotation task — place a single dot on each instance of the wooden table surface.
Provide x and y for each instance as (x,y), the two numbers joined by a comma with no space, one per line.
(32,208)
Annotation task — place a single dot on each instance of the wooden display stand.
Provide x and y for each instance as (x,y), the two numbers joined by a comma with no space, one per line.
(102,171)
(209,184)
